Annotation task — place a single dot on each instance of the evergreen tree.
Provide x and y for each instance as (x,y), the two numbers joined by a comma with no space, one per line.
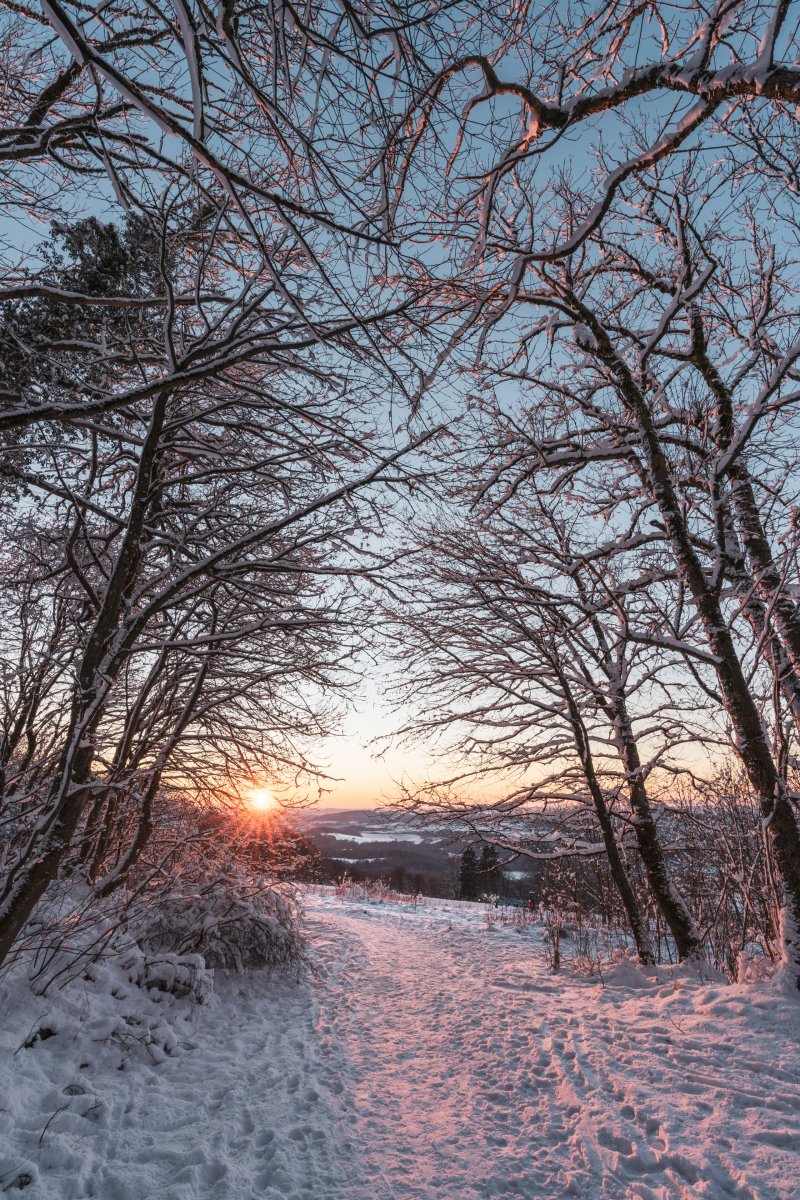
(468,880)
(490,876)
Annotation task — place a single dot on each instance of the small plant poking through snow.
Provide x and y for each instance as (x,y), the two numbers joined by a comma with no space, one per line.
(553,930)
(373,891)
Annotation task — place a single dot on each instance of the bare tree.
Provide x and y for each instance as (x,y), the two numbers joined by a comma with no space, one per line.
(633,422)
(204,529)
(118,108)
(509,107)
(195,408)
(530,649)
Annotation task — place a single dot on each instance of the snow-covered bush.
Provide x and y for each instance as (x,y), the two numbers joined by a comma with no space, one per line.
(179,975)
(205,895)
(236,921)
(218,894)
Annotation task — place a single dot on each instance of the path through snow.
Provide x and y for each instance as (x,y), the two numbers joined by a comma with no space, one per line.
(470,1071)
(431,1058)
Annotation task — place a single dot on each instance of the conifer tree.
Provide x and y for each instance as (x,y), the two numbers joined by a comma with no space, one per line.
(468,879)
(490,876)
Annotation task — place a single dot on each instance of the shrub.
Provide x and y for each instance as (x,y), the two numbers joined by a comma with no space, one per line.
(235,920)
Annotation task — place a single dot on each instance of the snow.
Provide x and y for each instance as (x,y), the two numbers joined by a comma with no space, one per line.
(376,835)
(430,1055)
(584,337)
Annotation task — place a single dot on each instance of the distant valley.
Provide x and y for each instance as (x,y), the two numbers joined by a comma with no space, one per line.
(377,844)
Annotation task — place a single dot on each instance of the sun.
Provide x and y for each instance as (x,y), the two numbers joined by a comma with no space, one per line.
(261,799)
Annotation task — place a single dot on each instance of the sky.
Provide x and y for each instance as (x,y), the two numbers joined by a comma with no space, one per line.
(366,777)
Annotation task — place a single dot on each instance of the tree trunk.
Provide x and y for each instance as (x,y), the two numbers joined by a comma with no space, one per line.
(783,836)
(774,600)
(757,615)
(52,838)
(636,919)
(671,903)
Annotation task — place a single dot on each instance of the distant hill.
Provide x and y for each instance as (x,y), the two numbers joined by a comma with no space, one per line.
(373,844)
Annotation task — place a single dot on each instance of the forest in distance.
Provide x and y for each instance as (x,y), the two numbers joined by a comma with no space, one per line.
(463,339)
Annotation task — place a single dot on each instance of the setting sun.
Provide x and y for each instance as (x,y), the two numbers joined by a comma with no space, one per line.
(261,798)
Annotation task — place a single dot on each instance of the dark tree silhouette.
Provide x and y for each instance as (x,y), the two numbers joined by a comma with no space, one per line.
(468,879)
(490,875)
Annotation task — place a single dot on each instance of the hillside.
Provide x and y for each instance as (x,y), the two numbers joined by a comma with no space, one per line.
(369,844)
(429,1056)
(376,844)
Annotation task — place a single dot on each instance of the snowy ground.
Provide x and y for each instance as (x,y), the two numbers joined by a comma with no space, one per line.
(430,1057)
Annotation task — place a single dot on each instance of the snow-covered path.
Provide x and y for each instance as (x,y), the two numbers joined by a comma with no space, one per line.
(429,1058)
(470,1071)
